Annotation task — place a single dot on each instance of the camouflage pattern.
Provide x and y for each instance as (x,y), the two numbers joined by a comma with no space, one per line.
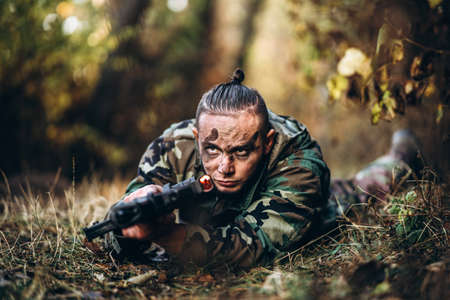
(276,211)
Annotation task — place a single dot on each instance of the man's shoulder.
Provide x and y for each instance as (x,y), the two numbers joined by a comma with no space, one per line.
(286,125)
(291,137)
(170,157)
(180,130)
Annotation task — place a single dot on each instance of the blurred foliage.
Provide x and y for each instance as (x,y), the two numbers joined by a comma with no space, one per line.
(150,80)
(388,54)
(51,52)
(98,79)
(93,79)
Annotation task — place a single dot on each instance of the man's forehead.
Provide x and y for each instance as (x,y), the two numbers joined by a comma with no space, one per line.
(229,122)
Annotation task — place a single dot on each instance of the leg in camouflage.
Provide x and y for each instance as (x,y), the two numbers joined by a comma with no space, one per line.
(389,172)
(378,179)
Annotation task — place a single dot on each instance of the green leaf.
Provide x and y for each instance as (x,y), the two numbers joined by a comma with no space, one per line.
(384,35)
(382,288)
(411,197)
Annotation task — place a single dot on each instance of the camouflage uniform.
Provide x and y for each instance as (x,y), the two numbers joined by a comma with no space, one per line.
(285,203)
(276,211)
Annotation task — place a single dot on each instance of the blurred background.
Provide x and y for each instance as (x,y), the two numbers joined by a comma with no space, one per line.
(85,85)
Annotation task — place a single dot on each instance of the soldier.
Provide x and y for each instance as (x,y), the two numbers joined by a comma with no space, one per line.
(272,184)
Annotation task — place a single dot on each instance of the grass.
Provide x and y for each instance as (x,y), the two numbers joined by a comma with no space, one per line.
(397,249)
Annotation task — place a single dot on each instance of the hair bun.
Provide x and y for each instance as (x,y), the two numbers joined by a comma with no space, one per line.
(238,76)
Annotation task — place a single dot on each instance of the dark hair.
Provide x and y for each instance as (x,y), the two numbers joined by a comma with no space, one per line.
(232,96)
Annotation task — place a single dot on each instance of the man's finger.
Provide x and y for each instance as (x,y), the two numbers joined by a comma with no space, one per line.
(139,231)
(152,188)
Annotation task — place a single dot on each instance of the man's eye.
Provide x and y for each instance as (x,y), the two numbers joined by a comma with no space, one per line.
(212,150)
(242,153)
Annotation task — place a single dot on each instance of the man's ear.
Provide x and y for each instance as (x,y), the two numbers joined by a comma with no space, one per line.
(195,132)
(270,138)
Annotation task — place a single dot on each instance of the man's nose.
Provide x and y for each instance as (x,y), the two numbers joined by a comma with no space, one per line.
(226,165)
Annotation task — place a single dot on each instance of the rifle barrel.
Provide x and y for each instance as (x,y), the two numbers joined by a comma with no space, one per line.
(98,229)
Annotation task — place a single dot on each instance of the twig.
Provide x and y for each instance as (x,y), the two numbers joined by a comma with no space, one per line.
(9,247)
(6,183)
(113,261)
(55,181)
(364,226)
(407,39)
(440,51)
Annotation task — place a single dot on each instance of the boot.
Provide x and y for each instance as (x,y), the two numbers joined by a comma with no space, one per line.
(383,176)
(406,147)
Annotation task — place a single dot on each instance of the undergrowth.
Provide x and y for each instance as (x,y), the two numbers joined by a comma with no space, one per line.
(396,249)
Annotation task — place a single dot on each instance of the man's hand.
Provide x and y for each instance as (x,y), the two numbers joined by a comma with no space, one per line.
(142,231)
(163,230)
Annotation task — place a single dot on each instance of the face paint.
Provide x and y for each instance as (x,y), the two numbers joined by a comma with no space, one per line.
(212,136)
(249,146)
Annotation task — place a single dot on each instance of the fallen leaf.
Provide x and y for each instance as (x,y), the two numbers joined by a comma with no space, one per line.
(140,279)
(162,277)
(94,247)
(206,278)
(99,277)
(102,266)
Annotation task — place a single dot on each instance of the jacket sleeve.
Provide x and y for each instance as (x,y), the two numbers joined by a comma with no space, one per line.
(278,220)
(168,159)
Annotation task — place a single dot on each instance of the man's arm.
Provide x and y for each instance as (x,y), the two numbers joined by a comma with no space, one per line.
(168,159)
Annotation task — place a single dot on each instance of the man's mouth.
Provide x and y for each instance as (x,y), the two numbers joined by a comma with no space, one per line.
(226,183)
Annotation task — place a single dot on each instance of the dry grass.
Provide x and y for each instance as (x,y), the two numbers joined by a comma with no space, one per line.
(395,250)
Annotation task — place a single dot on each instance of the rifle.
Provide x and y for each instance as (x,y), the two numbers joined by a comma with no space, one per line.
(149,207)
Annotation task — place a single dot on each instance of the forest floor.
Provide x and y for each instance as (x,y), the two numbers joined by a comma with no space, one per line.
(385,250)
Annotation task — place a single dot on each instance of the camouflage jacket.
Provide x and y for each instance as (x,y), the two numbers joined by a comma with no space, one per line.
(275,212)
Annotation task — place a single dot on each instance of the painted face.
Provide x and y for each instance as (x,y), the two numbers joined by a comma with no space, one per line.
(231,147)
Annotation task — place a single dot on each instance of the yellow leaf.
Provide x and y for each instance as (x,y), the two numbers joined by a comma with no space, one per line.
(434,3)
(397,51)
(409,86)
(383,78)
(440,113)
(337,85)
(376,112)
(431,88)
(65,9)
(389,103)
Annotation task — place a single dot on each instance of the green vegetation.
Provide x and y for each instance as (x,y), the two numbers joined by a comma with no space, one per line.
(382,250)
